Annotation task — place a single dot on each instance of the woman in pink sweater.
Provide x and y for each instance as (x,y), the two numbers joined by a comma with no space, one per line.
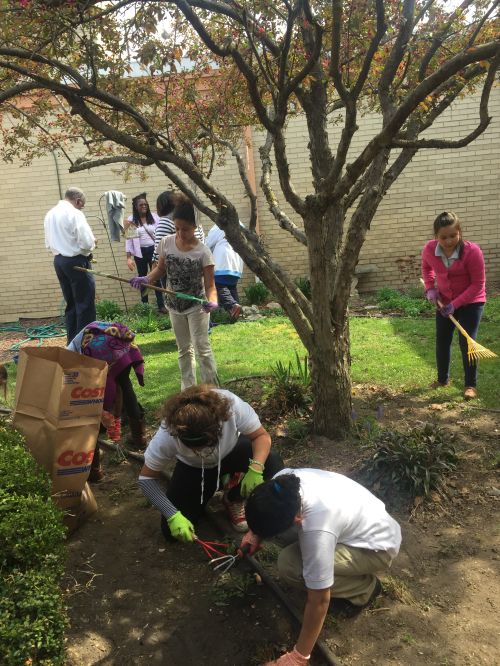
(454,277)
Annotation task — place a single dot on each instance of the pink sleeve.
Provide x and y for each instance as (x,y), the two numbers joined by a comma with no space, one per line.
(428,272)
(477,275)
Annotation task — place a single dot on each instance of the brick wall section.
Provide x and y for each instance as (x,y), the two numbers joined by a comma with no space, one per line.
(466,181)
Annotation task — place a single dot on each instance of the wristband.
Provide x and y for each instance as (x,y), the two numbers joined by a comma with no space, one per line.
(251,461)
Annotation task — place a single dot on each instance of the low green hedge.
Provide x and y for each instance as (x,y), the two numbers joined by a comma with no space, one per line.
(32,613)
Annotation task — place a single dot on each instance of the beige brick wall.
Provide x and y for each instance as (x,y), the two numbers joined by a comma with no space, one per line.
(466,180)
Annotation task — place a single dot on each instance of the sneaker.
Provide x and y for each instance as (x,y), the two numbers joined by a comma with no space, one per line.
(438,384)
(235,311)
(236,514)
(470,393)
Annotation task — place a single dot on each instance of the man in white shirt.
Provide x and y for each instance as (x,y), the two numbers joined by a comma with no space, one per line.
(70,239)
(344,538)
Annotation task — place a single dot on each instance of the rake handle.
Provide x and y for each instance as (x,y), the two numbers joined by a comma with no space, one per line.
(120,279)
(457,323)
(146,286)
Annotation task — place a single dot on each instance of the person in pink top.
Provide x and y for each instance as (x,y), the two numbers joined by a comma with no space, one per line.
(140,230)
(454,277)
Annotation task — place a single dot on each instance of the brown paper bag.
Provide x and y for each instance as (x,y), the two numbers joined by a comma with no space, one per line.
(76,515)
(59,397)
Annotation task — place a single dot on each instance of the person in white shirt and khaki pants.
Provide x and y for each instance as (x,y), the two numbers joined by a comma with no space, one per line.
(70,239)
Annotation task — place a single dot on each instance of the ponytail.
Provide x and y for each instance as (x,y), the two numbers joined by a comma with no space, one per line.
(273,505)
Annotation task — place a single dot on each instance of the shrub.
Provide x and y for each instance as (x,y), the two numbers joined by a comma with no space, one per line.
(257,293)
(32,619)
(304,284)
(32,616)
(414,461)
(411,303)
(108,310)
(31,532)
(143,318)
(290,388)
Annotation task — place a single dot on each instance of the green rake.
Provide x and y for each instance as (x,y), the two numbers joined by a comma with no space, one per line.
(178,294)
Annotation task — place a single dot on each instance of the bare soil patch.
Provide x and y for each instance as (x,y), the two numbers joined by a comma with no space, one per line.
(136,599)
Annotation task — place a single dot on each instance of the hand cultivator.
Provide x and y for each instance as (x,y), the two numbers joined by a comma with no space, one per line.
(223,561)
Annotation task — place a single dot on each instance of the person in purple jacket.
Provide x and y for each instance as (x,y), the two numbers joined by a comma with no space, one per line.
(454,277)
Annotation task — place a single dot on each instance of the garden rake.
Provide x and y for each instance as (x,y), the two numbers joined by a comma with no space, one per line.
(178,294)
(475,351)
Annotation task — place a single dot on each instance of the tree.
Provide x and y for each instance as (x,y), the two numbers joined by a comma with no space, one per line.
(65,81)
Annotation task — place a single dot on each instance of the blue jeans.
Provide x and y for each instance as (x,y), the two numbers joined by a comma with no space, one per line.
(227,294)
(469,316)
(78,289)
(144,264)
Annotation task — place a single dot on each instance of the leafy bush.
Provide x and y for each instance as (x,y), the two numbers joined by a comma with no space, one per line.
(411,303)
(31,532)
(32,619)
(108,310)
(32,616)
(304,284)
(257,293)
(414,461)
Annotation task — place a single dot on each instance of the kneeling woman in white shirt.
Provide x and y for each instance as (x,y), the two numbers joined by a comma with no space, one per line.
(345,536)
(211,432)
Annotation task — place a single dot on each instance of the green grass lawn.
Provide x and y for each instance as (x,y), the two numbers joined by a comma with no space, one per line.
(397,353)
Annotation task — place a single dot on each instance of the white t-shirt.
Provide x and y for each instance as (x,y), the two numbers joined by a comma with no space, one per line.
(336,509)
(163,447)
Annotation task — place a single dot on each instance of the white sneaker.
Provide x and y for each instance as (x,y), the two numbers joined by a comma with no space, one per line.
(236,514)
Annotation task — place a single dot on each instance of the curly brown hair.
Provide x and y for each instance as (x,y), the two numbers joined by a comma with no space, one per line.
(196,415)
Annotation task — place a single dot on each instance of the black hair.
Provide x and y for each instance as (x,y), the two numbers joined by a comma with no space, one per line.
(165,203)
(449,219)
(136,218)
(272,506)
(184,210)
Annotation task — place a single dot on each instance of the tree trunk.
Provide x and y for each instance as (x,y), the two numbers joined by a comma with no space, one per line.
(331,384)
(329,351)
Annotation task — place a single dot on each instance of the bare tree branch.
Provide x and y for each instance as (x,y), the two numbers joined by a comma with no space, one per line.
(413,99)
(439,37)
(395,57)
(243,176)
(372,49)
(82,164)
(484,119)
(265,183)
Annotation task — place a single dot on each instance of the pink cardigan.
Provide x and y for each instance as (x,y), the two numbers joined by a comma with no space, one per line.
(461,284)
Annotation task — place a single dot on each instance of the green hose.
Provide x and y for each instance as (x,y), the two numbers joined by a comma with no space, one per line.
(39,333)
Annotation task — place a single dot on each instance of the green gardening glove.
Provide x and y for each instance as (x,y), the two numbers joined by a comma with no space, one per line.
(250,481)
(181,528)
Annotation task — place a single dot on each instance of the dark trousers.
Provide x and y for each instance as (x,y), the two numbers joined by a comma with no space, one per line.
(227,295)
(469,317)
(184,490)
(78,289)
(129,404)
(144,264)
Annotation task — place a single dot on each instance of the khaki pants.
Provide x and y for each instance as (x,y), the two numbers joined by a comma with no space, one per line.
(354,571)
(191,335)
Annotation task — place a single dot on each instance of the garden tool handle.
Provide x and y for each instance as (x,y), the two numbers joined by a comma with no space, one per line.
(457,323)
(451,317)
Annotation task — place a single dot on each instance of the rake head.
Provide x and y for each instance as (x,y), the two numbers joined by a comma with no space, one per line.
(475,351)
